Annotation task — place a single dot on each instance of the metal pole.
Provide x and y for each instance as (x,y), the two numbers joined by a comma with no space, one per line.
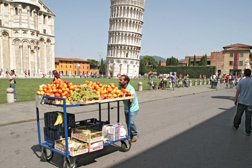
(129,123)
(66,127)
(38,125)
(109,113)
(118,112)
(99,112)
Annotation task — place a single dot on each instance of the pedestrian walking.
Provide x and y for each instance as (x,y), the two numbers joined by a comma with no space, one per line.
(174,78)
(243,100)
(134,107)
(185,80)
(56,75)
(227,80)
(11,78)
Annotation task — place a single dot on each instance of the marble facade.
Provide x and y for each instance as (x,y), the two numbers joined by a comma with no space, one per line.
(27,37)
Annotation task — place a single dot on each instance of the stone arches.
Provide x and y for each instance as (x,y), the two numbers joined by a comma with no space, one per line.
(126,38)
(125,34)
(5,33)
(126,25)
(127,11)
(15,41)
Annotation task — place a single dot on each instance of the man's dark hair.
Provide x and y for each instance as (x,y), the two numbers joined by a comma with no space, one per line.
(247,72)
(126,78)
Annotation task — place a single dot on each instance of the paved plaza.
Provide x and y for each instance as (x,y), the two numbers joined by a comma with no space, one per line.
(26,111)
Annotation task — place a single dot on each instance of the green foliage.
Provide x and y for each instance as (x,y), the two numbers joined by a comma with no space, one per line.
(93,64)
(194,60)
(189,64)
(203,61)
(159,63)
(142,68)
(102,67)
(172,61)
(194,72)
(150,62)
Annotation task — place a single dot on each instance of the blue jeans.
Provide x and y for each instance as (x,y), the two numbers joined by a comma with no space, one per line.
(237,120)
(185,81)
(15,93)
(133,127)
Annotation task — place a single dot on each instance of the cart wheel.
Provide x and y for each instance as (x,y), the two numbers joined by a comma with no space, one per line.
(67,164)
(126,145)
(46,154)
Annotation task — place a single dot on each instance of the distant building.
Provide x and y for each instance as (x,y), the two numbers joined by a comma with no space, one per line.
(27,37)
(198,58)
(163,63)
(74,66)
(231,59)
(125,34)
(228,61)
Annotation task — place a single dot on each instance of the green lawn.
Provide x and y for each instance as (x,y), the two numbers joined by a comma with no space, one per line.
(27,88)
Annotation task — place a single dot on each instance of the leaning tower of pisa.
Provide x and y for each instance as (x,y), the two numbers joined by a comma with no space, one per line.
(125,34)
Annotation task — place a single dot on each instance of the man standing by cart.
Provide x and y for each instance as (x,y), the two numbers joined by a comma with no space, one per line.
(243,98)
(133,104)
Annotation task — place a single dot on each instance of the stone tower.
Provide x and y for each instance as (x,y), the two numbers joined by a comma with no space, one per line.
(125,34)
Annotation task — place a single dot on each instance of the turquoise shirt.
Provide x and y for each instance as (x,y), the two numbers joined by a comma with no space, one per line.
(244,86)
(135,105)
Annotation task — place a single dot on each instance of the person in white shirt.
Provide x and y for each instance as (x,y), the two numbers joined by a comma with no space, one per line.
(11,78)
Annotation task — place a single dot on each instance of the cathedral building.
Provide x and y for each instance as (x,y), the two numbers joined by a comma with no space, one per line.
(125,34)
(27,40)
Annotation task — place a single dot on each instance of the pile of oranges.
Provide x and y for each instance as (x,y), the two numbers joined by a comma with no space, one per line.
(107,91)
(63,89)
(58,88)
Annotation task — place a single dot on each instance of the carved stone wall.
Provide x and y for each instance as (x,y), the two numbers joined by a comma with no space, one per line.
(27,37)
(125,34)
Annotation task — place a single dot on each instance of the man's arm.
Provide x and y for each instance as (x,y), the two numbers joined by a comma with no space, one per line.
(8,77)
(236,96)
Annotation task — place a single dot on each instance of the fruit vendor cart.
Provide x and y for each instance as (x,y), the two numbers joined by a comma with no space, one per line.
(53,144)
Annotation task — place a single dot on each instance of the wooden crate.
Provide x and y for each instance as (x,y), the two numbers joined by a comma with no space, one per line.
(95,146)
(87,135)
(75,147)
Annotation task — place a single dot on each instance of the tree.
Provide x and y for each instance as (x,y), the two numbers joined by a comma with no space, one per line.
(172,61)
(102,67)
(142,68)
(159,63)
(194,60)
(167,61)
(93,64)
(203,60)
(150,62)
(189,64)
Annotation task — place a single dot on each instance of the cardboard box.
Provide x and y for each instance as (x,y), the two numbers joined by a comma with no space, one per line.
(87,135)
(75,147)
(95,146)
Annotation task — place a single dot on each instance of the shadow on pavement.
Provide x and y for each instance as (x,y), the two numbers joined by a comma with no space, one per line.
(211,144)
(224,97)
(82,160)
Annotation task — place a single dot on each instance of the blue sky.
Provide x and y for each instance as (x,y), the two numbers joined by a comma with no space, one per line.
(171,28)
